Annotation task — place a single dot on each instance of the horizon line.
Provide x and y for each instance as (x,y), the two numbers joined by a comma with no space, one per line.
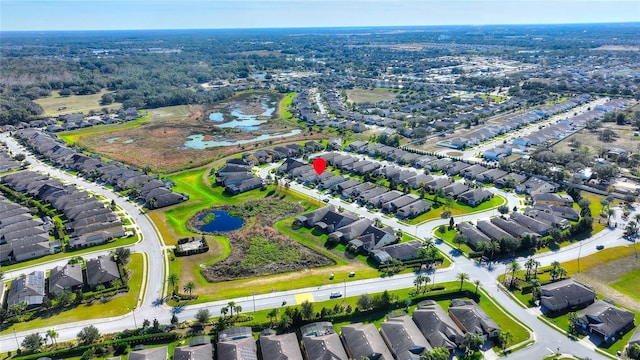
(329,27)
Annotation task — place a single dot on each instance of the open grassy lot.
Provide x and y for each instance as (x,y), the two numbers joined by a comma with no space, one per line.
(372,96)
(629,284)
(72,137)
(118,305)
(58,105)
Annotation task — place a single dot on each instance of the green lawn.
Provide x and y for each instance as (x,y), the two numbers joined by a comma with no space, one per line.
(629,284)
(119,305)
(72,137)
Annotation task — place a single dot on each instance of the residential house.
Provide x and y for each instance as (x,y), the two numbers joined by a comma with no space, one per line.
(437,184)
(414,209)
(565,294)
(455,189)
(436,326)
(635,338)
(510,180)
(402,251)
(492,231)
(417,181)
(490,175)
(199,348)
(513,228)
(606,320)
(473,171)
(403,337)
(27,289)
(473,235)
(68,277)
(341,187)
(547,217)
(471,318)
(244,186)
(357,190)
(158,353)
(101,270)
(237,343)
(319,341)
(455,168)
(350,231)
(439,164)
(377,201)
(553,199)
(364,341)
(423,161)
(564,212)
(497,153)
(393,205)
(535,185)
(475,197)
(279,347)
(372,238)
(534,225)
(326,219)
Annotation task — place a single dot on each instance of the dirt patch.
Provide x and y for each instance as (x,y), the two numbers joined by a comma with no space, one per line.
(601,275)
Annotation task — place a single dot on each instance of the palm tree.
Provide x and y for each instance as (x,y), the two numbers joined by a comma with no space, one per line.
(555,267)
(535,287)
(189,287)
(425,280)
(428,243)
(53,335)
(514,267)
(493,248)
(417,282)
(536,263)
(463,276)
(232,307)
(505,338)
(476,283)
(529,265)
(238,309)
(562,272)
(173,280)
(224,311)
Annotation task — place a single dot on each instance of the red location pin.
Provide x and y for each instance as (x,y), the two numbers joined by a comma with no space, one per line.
(319,164)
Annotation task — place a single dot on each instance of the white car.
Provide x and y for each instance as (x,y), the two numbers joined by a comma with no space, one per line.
(335,294)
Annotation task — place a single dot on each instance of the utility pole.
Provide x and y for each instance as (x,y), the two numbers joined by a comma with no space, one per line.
(16,337)
(133,312)
(579,252)
(345,287)
(254,301)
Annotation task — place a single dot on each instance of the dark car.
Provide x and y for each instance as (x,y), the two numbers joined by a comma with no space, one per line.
(600,247)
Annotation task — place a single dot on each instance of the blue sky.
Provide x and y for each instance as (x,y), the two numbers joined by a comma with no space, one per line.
(205,14)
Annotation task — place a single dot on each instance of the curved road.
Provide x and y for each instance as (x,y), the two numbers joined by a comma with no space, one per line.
(151,306)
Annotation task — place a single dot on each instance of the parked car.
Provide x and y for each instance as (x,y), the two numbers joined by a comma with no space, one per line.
(600,247)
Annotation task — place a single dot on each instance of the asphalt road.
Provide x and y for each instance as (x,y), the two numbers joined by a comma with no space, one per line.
(151,305)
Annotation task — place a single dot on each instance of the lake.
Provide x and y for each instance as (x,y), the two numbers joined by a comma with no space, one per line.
(221,223)
(247,122)
(197,141)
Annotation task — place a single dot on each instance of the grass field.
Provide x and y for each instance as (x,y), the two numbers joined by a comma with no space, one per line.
(73,104)
(629,284)
(72,137)
(372,96)
(119,305)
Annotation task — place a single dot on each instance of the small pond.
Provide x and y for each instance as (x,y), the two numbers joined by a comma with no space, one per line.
(221,222)
(216,116)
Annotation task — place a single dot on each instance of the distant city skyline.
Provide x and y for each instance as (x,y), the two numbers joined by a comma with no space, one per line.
(43,15)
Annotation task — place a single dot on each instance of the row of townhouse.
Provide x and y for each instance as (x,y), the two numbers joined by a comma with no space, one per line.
(153,192)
